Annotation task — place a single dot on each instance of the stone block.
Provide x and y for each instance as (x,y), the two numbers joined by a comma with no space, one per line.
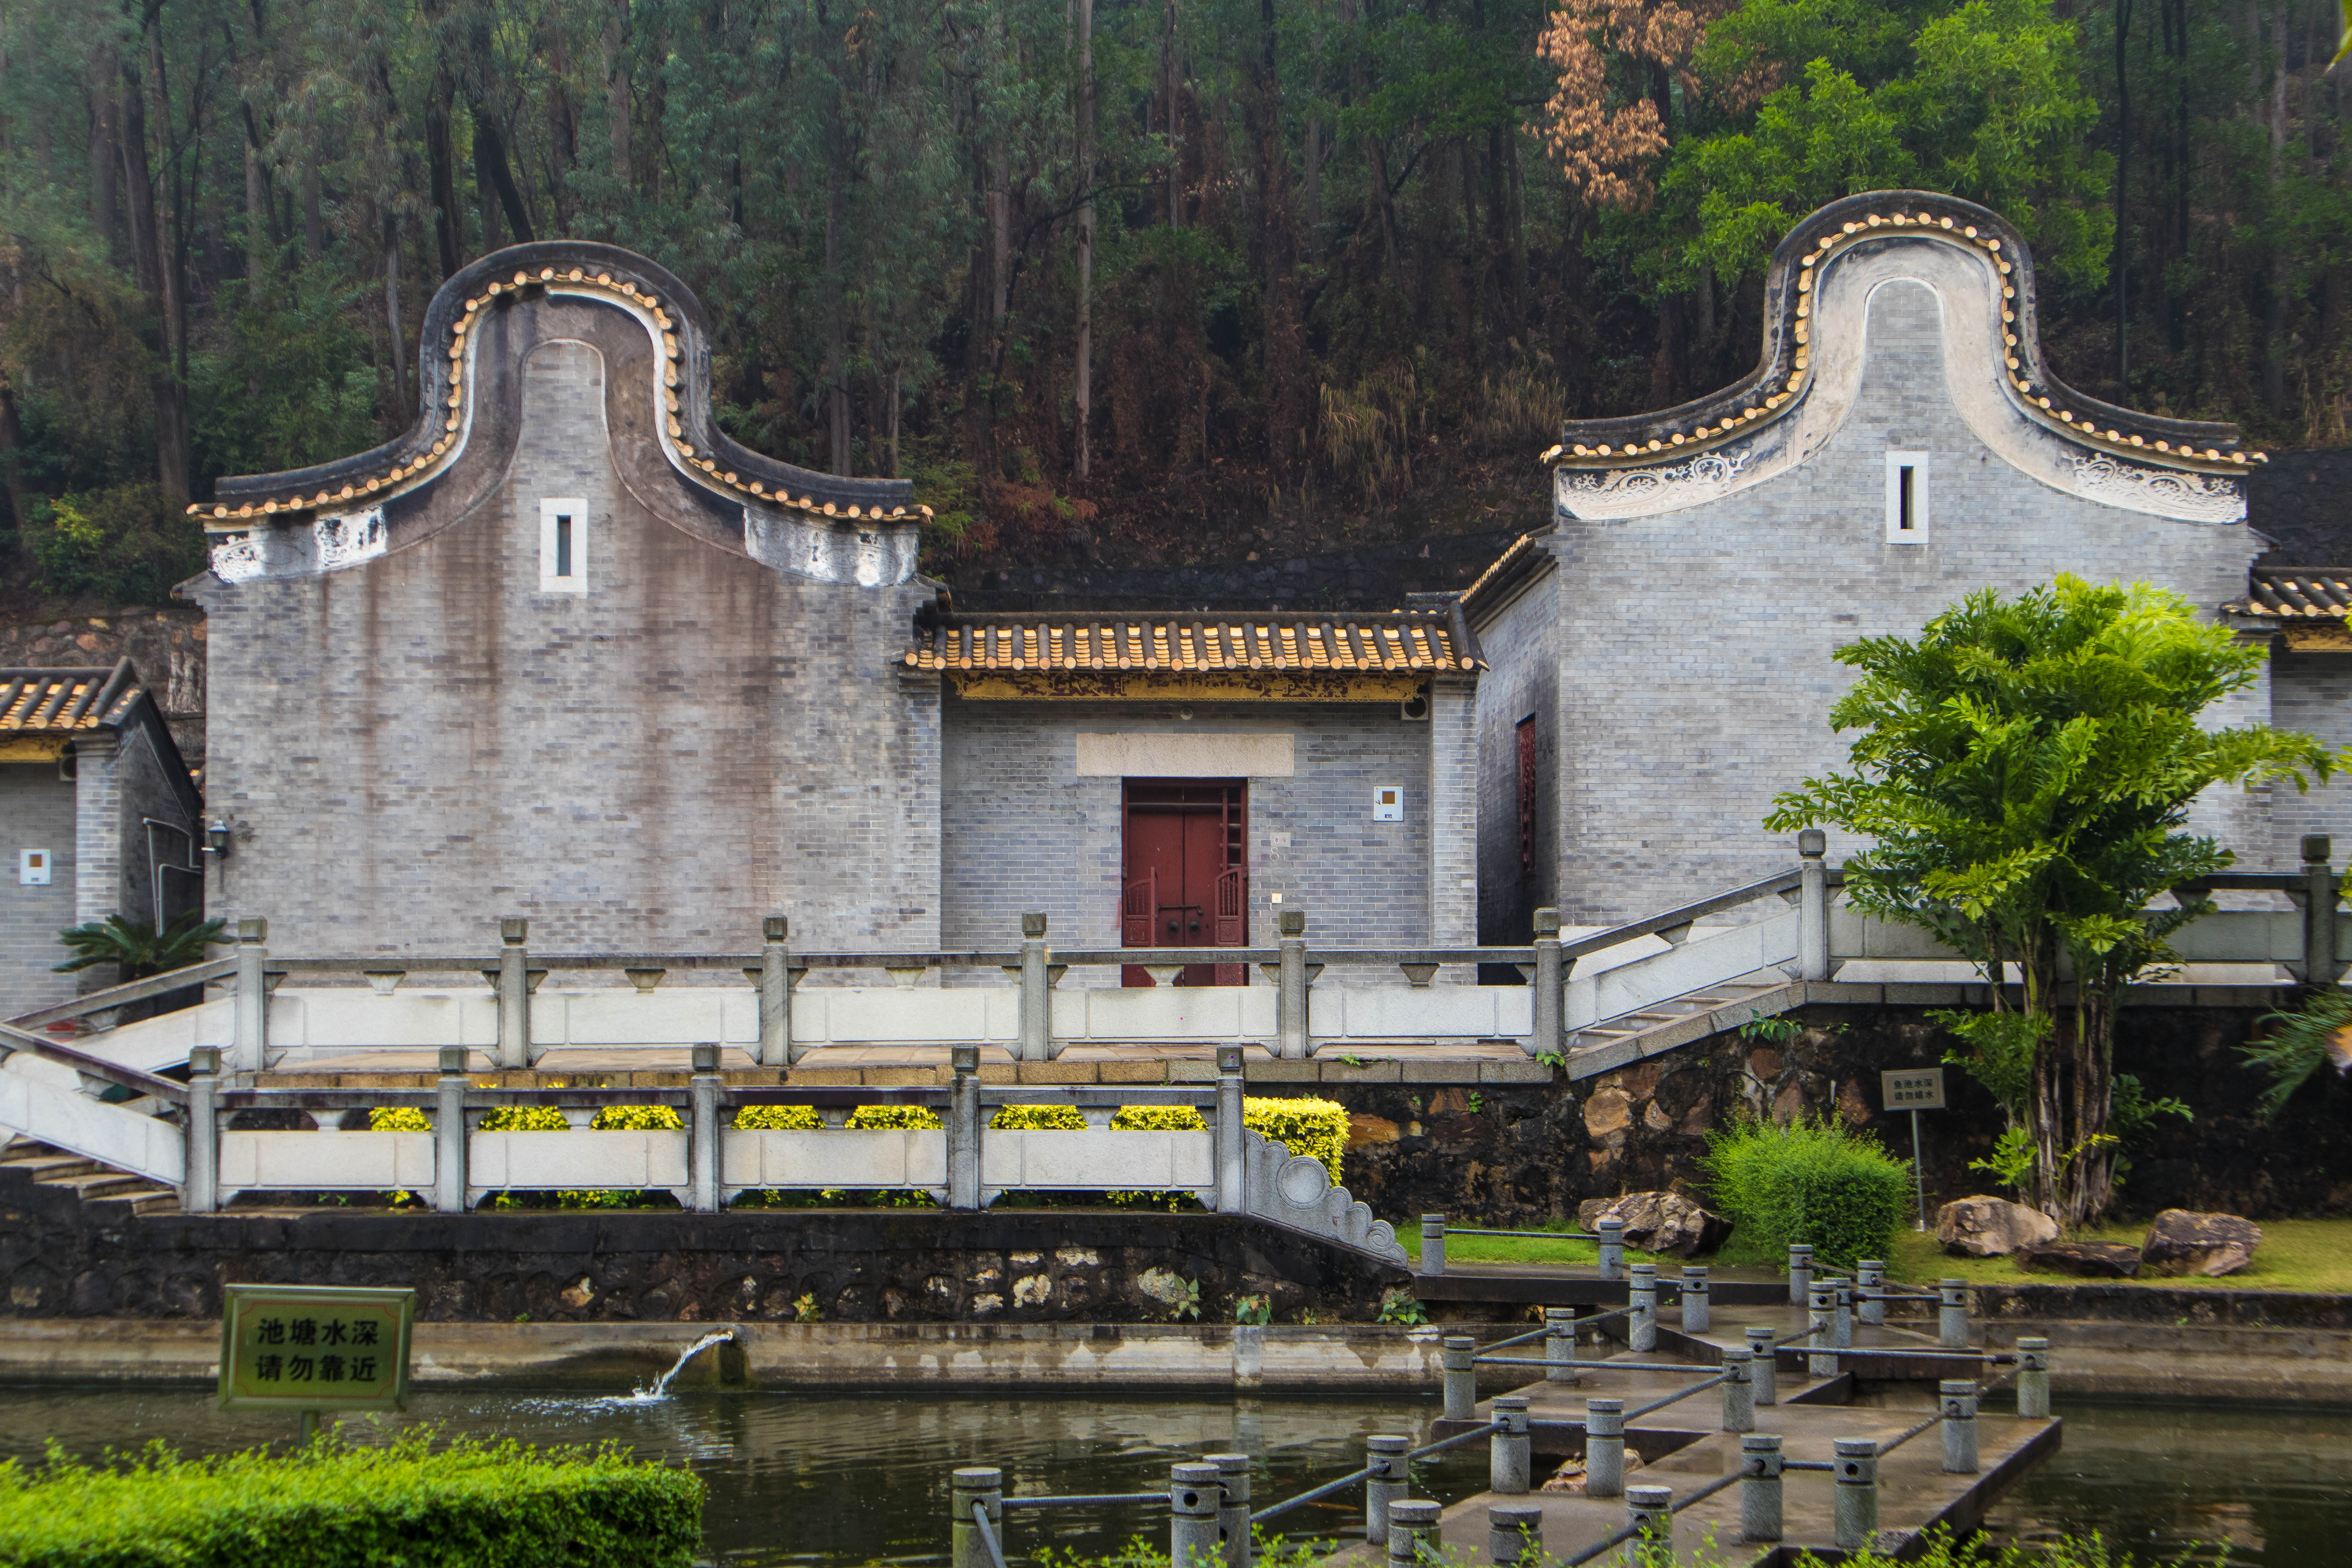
(1058,1072)
(1153,1071)
(1188,1070)
(1370,1072)
(831,1077)
(1440,1070)
(1528,1071)
(908,1077)
(1277,1072)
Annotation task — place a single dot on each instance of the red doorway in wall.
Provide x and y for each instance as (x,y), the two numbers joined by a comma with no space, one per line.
(1185,851)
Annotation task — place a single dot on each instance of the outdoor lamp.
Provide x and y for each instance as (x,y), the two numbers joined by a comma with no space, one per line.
(216,837)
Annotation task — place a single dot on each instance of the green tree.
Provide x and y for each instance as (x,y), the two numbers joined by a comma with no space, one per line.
(2024,769)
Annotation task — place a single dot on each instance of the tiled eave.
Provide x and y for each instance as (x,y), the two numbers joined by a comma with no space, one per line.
(2314,593)
(64,702)
(1402,643)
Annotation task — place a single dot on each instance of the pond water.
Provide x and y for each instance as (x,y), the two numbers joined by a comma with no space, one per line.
(833,1480)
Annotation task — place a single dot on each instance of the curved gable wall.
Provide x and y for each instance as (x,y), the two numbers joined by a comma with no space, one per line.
(416,740)
(1694,627)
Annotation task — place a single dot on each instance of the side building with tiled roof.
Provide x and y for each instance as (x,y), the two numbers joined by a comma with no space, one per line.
(102,820)
(1661,651)
(563,651)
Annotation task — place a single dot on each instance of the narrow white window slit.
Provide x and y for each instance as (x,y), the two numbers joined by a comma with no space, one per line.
(1906,498)
(562,545)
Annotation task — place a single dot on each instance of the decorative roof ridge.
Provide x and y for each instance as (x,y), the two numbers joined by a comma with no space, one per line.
(1775,387)
(2295,592)
(578,268)
(68,697)
(1427,641)
(1506,566)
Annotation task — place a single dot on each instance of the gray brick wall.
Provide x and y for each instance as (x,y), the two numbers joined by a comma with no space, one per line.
(409,748)
(1021,831)
(1693,649)
(2312,692)
(37,812)
(1522,681)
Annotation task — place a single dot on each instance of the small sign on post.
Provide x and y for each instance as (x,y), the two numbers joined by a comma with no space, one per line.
(309,1348)
(1914,1089)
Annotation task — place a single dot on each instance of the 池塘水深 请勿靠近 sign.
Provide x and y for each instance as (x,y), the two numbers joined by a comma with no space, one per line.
(314,1347)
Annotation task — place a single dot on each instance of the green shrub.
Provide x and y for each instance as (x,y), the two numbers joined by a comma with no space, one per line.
(1816,1181)
(494,1506)
(779,1119)
(1160,1118)
(1316,1127)
(398,1118)
(1038,1118)
(526,1119)
(639,1119)
(917,1118)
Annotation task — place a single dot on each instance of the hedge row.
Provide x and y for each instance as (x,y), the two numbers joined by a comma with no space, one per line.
(469,1505)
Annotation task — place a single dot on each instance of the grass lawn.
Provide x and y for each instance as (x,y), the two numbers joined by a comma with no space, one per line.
(2295,1255)
(1460,1248)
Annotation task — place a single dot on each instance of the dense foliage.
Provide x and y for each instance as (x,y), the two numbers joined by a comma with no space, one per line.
(1814,1182)
(137,946)
(1119,277)
(2023,772)
(467,1505)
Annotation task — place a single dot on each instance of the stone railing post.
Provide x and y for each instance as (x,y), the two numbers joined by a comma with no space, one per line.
(1813,905)
(1739,1389)
(1952,1314)
(702,1129)
(1960,1397)
(1548,1038)
(1698,1314)
(2321,964)
(1650,1513)
(1801,1272)
(1764,1366)
(1291,1004)
(1855,1517)
(1514,1533)
(449,1133)
(200,1179)
(1433,1244)
(1232,1513)
(1195,1496)
(1870,1285)
(776,993)
(1461,1376)
(2033,1378)
(1233,1165)
(514,994)
(1642,1295)
(1036,996)
(1510,1457)
(1612,1232)
(1760,1486)
(251,1040)
(1387,1482)
(964,1129)
(1559,1345)
(1842,1313)
(1821,1310)
(974,1486)
(1605,1447)
(1412,1531)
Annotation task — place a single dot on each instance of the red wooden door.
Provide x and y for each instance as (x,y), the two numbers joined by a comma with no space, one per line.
(1186,877)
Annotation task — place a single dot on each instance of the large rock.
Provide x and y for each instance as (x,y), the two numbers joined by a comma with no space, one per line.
(2183,1241)
(1992,1228)
(2087,1259)
(1657,1222)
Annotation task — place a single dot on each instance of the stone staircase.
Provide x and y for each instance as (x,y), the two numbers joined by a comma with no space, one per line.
(85,1179)
(1630,1038)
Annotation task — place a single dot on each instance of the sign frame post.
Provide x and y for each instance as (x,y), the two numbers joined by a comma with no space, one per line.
(358,1339)
(1914,1089)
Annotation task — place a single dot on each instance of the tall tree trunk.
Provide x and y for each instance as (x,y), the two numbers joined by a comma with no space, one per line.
(1169,84)
(1086,176)
(12,479)
(617,88)
(836,335)
(2274,324)
(399,401)
(2123,189)
(492,239)
(157,281)
(490,159)
(106,149)
(314,222)
(1283,398)
(441,172)
(562,132)
(257,206)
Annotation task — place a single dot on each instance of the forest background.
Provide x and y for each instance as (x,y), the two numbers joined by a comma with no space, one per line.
(1130,281)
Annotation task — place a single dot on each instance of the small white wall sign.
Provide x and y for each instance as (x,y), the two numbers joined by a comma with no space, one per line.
(1912,1089)
(33,868)
(1388,802)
